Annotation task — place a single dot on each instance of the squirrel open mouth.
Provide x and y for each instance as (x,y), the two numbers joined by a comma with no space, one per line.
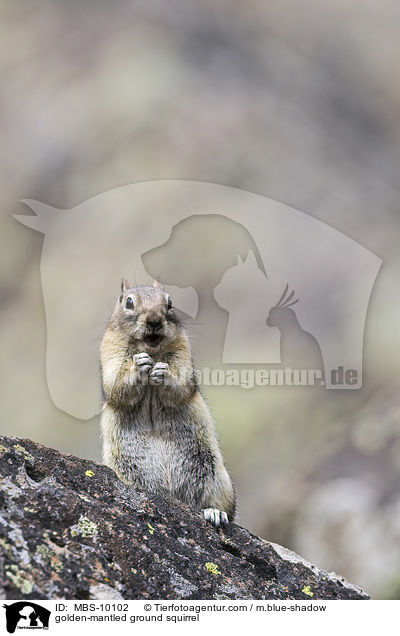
(153,339)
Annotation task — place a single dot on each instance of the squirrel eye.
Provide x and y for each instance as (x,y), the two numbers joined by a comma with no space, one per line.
(169,303)
(129,303)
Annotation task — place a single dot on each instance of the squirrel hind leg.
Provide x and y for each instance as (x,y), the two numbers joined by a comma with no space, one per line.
(215,516)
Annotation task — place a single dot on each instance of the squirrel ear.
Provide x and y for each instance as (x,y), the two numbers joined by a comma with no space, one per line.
(125,284)
(157,283)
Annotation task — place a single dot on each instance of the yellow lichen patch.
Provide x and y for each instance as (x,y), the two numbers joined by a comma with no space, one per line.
(43,549)
(18,578)
(7,547)
(307,590)
(85,527)
(89,473)
(20,450)
(3,450)
(213,568)
(49,554)
(150,527)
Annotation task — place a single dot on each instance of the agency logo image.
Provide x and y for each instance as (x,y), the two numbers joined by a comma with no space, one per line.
(257,283)
(26,615)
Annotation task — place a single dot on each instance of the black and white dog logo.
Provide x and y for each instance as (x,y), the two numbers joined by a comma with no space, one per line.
(26,615)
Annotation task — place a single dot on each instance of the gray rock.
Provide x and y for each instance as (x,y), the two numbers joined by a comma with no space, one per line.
(70,529)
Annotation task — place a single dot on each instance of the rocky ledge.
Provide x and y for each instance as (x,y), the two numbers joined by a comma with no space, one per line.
(70,529)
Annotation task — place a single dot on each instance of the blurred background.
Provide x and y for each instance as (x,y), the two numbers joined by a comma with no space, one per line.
(299,103)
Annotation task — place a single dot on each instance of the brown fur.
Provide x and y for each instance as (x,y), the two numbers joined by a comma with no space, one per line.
(157,429)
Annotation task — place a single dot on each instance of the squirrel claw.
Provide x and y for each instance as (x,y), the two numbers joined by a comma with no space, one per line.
(142,364)
(215,516)
(142,359)
(159,372)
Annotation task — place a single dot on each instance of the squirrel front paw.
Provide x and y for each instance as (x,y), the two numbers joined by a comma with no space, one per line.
(142,364)
(159,373)
(215,516)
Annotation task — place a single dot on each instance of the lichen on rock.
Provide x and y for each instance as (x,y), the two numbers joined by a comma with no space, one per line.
(66,536)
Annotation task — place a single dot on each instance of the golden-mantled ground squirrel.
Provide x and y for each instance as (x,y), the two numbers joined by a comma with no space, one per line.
(157,429)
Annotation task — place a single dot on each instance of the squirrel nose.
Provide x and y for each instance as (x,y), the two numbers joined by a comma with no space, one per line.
(154,323)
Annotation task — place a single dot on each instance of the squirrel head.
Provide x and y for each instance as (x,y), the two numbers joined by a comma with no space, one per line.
(146,316)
